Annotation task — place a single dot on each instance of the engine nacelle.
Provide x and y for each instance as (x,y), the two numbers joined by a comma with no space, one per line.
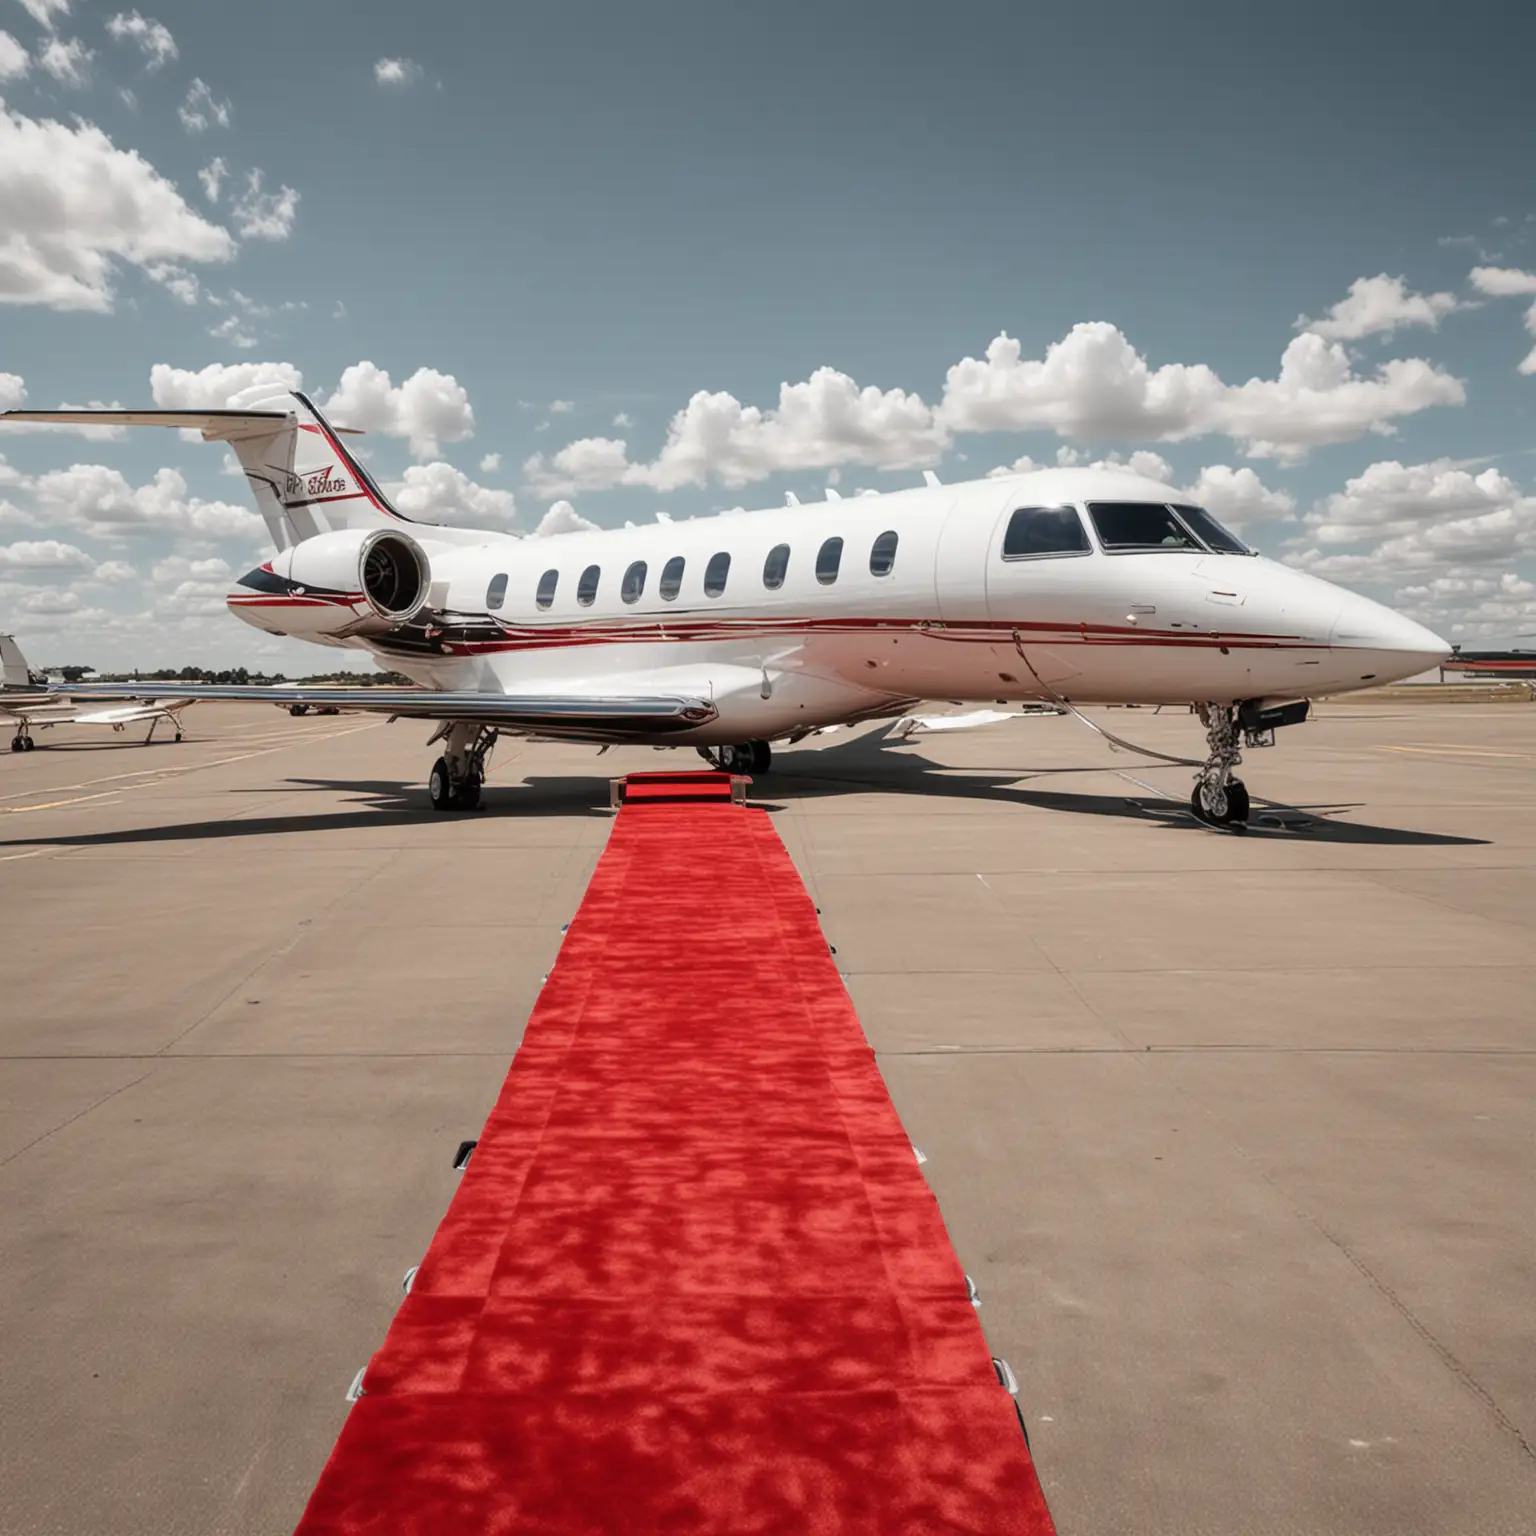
(375,573)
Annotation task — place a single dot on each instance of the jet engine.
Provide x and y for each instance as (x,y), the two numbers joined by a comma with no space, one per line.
(378,572)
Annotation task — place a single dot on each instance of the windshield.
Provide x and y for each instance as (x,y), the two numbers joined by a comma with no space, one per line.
(1206,526)
(1139,525)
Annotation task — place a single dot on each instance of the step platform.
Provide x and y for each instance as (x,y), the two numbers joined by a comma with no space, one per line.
(693,1280)
(679,789)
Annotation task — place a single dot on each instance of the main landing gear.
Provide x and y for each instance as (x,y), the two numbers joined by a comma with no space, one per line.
(749,757)
(22,741)
(1220,798)
(457,776)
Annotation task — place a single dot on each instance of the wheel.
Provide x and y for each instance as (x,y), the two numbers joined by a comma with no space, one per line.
(1234,805)
(27,744)
(762,757)
(18,744)
(298,709)
(177,736)
(440,786)
(733,759)
(469,794)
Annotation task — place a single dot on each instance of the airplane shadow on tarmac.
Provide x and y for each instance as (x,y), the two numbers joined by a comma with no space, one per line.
(860,764)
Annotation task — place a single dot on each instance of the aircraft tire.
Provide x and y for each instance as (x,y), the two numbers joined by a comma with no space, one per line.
(1236,813)
(762,757)
(440,786)
(18,744)
(469,795)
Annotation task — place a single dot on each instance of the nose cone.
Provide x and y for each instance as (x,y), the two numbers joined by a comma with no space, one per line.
(1397,646)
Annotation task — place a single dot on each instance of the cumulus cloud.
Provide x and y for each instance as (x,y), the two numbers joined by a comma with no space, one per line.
(1417,518)
(72,205)
(99,501)
(152,39)
(113,573)
(490,464)
(1237,497)
(262,215)
(439,493)
(202,110)
(43,555)
(562,517)
(396,71)
(1091,384)
(1377,306)
(1505,282)
(232,329)
(68,61)
(219,384)
(212,177)
(428,408)
(14,60)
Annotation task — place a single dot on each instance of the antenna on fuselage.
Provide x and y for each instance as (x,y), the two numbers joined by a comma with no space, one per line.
(833,494)
(931,480)
(790,499)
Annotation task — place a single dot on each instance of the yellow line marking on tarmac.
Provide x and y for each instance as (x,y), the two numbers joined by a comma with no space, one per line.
(1447,750)
(53,805)
(36,853)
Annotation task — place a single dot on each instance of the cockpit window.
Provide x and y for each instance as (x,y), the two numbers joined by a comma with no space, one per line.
(1139,525)
(1206,527)
(1037,531)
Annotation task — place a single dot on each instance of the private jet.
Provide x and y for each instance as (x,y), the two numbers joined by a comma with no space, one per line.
(27,705)
(733,632)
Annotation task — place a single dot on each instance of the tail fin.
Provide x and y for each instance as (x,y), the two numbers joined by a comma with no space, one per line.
(16,672)
(304,479)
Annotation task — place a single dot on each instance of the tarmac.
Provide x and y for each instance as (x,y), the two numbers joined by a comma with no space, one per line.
(1235,1133)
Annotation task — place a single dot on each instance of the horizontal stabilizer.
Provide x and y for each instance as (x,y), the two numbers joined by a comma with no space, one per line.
(216,426)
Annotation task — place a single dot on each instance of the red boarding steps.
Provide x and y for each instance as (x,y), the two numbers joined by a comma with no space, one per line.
(693,1280)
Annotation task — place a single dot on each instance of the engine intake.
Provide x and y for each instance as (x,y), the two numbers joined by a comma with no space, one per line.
(395,575)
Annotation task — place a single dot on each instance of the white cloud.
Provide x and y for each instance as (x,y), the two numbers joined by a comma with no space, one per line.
(262,215)
(1503,282)
(201,110)
(14,61)
(396,71)
(154,41)
(1091,384)
(1417,520)
(98,500)
(114,573)
(1237,497)
(13,392)
(232,329)
(68,62)
(623,420)
(428,408)
(490,464)
(1094,383)
(439,493)
(212,177)
(562,517)
(217,386)
(1377,306)
(561,407)
(183,568)
(43,555)
(43,11)
(49,600)
(72,204)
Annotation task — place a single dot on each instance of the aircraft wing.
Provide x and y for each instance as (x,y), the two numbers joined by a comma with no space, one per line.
(580,717)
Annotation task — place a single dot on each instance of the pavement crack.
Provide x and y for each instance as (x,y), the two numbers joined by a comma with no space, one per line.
(78,1115)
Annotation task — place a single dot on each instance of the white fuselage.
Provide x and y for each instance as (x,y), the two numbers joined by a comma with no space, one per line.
(951,618)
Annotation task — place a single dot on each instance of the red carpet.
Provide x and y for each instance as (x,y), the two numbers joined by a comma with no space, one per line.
(693,1280)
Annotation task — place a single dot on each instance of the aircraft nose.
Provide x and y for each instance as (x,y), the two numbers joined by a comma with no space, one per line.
(1402,647)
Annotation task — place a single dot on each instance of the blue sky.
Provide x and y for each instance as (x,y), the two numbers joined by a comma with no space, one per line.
(658,216)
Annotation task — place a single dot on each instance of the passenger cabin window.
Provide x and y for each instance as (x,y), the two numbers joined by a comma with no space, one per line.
(633,585)
(671,578)
(1126,526)
(1206,527)
(496,593)
(828,558)
(715,572)
(1036,532)
(586,588)
(547,584)
(775,566)
(882,556)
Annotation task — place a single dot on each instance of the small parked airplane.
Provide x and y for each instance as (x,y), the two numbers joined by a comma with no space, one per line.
(26,704)
(731,632)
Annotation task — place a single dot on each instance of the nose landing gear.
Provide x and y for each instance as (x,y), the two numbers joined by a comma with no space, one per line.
(1219,798)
